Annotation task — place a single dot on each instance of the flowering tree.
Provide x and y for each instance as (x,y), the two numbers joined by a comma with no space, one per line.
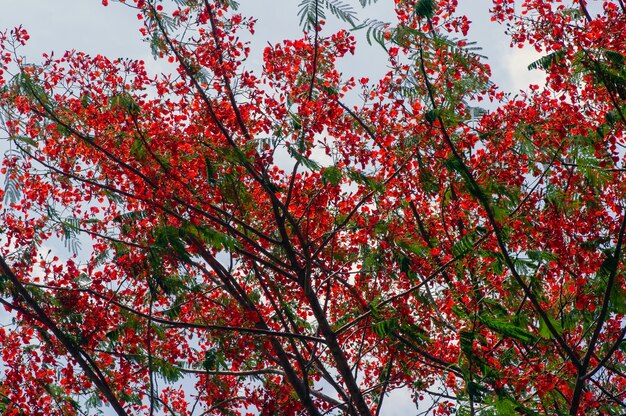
(218,267)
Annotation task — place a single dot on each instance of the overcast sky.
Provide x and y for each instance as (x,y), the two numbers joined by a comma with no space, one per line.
(85,25)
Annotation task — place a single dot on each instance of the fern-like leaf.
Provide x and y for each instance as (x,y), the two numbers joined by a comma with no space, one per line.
(311,11)
(342,11)
(12,191)
(425,8)
(71,230)
(545,62)
(376,31)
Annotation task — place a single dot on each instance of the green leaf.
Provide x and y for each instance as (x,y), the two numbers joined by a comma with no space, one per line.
(114,334)
(508,329)
(425,8)
(342,11)
(541,255)
(124,102)
(171,237)
(415,333)
(4,283)
(306,162)
(545,62)
(455,164)
(332,175)
(466,341)
(609,265)
(376,31)
(214,360)
(138,150)
(12,188)
(431,116)
(296,122)
(210,171)
(214,238)
(476,391)
(24,139)
(412,246)
(172,284)
(384,328)
(369,182)
(168,371)
(616,58)
(464,245)
(545,332)
(174,238)
(311,11)
(617,300)
(496,308)
(381,227)
(32,89)
(505,406)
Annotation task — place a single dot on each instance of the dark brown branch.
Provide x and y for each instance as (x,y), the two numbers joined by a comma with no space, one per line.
(609,354)
(81,357)
(193,325)
(583,8)
(477,190)
(604,310)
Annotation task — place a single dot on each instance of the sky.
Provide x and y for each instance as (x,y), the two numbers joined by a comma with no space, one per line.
(85,25)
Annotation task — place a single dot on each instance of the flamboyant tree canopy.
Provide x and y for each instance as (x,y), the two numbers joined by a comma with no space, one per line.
(294,240)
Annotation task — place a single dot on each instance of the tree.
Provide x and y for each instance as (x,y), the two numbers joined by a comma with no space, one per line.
(474,256)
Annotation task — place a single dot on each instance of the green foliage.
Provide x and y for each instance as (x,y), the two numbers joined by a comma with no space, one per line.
(412,247)
(165,369)
(541,256)
(431,116)
(24,139)
(610,72)
(609,265)
(332,175)
(384,328)
(466,340)
(32,89)
(343,11)
(138,149)
(535,165)
(465,245)
(585,157)
(545,62)
(507,328)
(544,330)
(211,171)
(169,238)
(363,179)
(214,360)
(312,11)
(210,236)
(617,300)
(456,165)
(124,102)
(305,161)
(376,31)
(12,188)
(71,230)
(425,8)
(131,216)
